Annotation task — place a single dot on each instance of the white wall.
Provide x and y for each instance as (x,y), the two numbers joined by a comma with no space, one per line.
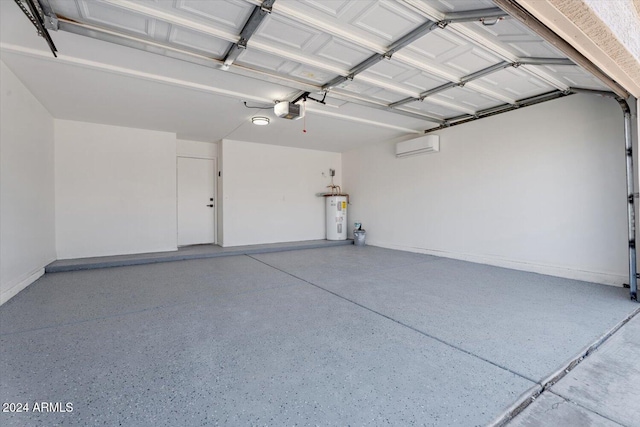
(269,192)
(115,190)
(27,236)
(203,150)
(540,189)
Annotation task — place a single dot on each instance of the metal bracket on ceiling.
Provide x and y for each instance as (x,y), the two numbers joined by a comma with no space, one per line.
(488,22)
(545,61)
(49,16)
(403,41)
(461,83)
(486,16)
(485,71)
(51,23)
(242,43)
(257,16)
(302,95)
(482,73)
(481,15)
(425,28)
(526,102)
(36,15)
(604,93)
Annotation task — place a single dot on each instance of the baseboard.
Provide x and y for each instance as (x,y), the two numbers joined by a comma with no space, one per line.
(72,256)
(551,270)
(21,283)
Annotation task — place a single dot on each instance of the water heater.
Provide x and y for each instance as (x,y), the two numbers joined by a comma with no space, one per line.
(336,217)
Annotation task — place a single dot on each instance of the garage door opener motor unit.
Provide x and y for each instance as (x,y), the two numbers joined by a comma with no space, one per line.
(289,110)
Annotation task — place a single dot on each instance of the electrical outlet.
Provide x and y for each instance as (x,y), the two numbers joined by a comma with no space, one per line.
(332,172)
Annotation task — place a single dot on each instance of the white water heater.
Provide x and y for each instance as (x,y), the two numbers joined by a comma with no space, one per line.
(336,217)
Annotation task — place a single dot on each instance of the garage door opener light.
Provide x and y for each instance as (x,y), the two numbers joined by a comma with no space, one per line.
(260,121)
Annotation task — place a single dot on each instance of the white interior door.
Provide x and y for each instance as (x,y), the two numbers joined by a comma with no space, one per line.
(196,201)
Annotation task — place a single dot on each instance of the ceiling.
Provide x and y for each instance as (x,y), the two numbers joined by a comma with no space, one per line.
(385,69)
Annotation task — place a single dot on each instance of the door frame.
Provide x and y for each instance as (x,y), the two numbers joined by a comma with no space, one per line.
(215,191)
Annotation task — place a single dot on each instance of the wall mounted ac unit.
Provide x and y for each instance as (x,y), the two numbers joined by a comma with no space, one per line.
(422,145)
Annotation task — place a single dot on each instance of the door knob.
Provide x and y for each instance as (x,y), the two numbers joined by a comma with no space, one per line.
(210,206)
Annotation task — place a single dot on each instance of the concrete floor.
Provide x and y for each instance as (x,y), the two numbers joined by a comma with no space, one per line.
(603,390)
(333,336)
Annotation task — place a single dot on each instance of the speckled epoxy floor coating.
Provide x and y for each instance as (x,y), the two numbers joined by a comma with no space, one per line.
(333,336)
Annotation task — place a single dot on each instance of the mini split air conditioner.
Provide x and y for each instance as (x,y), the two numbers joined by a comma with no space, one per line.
(413,147)
(287,110)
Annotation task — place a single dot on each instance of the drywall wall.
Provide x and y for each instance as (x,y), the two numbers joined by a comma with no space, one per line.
(115,190)
(203,150)
(539,189)
(27,234)
(269,192)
